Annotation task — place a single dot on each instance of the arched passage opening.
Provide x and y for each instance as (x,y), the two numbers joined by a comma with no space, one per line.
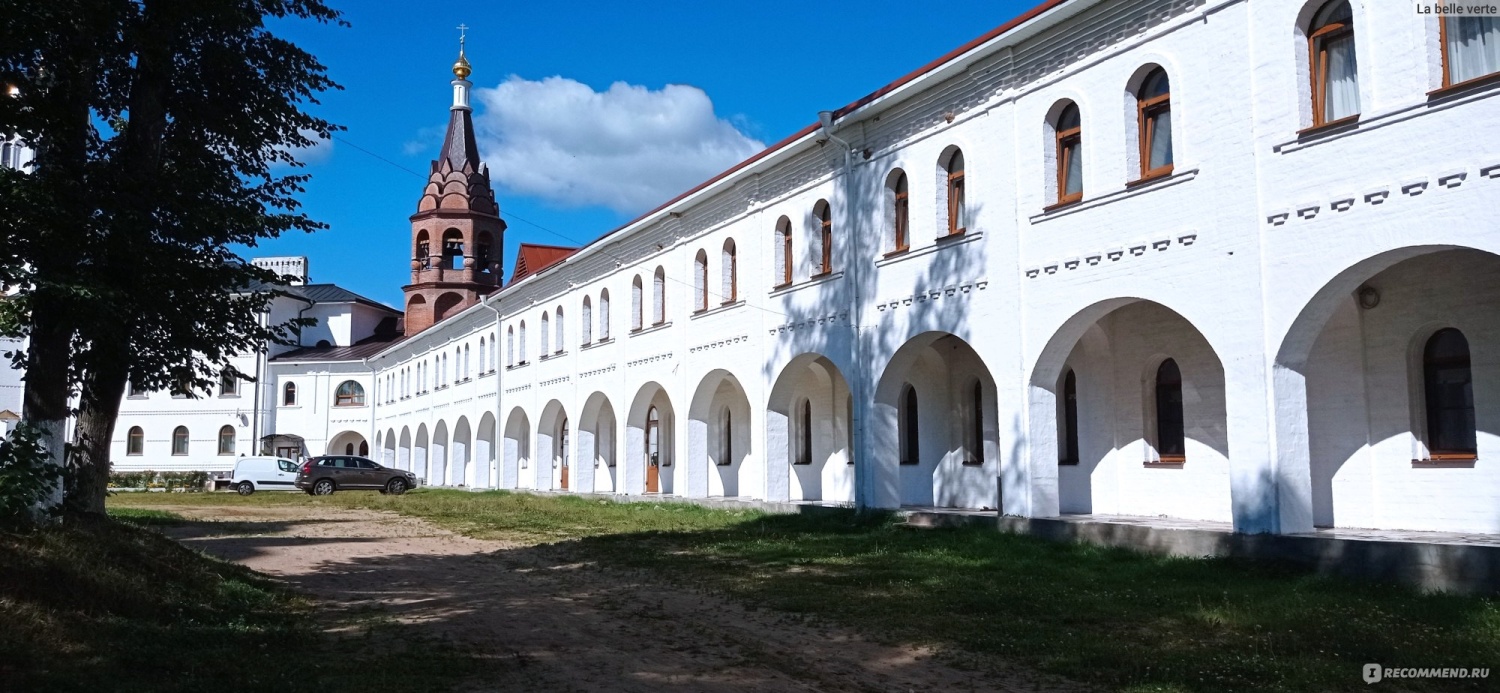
(719,441)
(437,469)
(809,432)
(1128,417)
(403,450)
(458,474)
(517,469)
(649,442)
(933,447)
(419,454)
(388,449)
(552,441)
(597,447)
(1386,388)
(484,452)
(348,443)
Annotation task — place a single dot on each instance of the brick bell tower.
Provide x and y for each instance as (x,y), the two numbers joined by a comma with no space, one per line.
(457,231)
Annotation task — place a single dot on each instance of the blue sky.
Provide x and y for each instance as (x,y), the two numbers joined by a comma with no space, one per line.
(589,112)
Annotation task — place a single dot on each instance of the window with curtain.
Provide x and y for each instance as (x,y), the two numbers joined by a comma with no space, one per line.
(1069,151)
(1335,76)
(521,343)
(510,347)
(349,394)
(902,210)
(637,305)
(559,344)
(825,237)
(180,440)
(466,362)
(1171,442)
(1471,48)
(659,297)
(586,327)
(730,273)
(1448,383)
(604,314)
(546,334)
(135,441)
(783,247)
(481,355)
(1154,110)
(226,440)
(700,281)
(911,444)
(957,207)
(1068,446)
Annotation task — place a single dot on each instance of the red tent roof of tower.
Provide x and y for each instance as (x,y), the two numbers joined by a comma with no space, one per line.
(532,258)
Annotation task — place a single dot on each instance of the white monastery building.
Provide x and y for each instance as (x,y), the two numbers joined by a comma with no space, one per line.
(1228,260)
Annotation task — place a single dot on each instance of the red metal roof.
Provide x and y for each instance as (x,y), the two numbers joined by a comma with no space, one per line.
(532,258)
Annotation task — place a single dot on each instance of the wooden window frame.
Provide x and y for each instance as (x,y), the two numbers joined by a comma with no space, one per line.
(186,441)
(1317,66)
(1063,143)
(1428,365)
(734,273)
(353,399)
(701,270)
(1175,459)
(825,229)
(903,214)
(1146,111)
(135,441)
(289,389)
(955,196)
(1448,84)
(659,297)
(786,255)
(230,440)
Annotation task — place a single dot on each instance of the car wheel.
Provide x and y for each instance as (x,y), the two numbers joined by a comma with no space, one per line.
(324,487)
(245,488)
(396,487)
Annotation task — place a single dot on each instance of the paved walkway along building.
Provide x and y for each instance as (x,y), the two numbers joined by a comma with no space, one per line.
(1222,260)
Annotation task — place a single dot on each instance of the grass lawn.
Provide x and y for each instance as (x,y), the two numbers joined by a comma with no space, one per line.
(113,606)
(1112,617)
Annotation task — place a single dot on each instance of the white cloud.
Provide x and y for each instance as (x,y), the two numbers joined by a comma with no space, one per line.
(628,148)
(316,153)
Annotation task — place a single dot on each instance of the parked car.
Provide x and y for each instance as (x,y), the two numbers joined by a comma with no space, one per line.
(321,476)
(253,474)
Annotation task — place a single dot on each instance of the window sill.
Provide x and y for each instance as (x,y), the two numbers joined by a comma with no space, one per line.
(350,406)
(1063,203)
(1465,86)
(896,253)
(904,463)
(134,454)
(1151,177)
(1165,463)
(821,275)
(973,463)
(522,364)
(944,243)
(1067,463)
(1441,461)
(951,235)
(233,396)
(598,343)
(1347,122)
(648,330)
(137,397)
(811,281)
(716,310)
(808,463)
(1058,212)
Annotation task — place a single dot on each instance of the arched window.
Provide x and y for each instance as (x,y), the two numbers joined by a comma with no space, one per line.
(958,220)
(481,355)
(466,361)
(226,440)
(1335,76)
(603,315)
(510,346)
(289,395)
(1068,151)
(229,384)
(1171,443)
(1068,446)
(637,305)
(180,440)
(659,297)
(824,236)
(135,441)
(911,443)
(729,270)
(902,208)
(586,326)
(1449,388)
(1154,111)
(364,448)
(559,344)
(546,334)
(453,249)
(783,245)
(521,344)
(1471,48)
(494,347)
(804,433)
(349,394)
(423,251)
(976,425)
(700,282)
(726,439)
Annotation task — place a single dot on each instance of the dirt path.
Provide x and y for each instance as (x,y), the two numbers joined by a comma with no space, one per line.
(554,623)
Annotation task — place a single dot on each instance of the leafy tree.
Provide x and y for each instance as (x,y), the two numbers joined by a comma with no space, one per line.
(190,109)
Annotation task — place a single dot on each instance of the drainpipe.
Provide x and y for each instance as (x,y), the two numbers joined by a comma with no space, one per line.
(863,482)
(498,472)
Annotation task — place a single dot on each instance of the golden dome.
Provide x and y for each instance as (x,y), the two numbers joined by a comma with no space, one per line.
(461,69)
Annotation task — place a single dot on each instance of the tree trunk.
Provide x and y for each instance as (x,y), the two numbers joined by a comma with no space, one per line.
(104,382)
(45,403)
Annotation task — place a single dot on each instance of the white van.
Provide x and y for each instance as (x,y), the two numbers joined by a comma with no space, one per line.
(253,474)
